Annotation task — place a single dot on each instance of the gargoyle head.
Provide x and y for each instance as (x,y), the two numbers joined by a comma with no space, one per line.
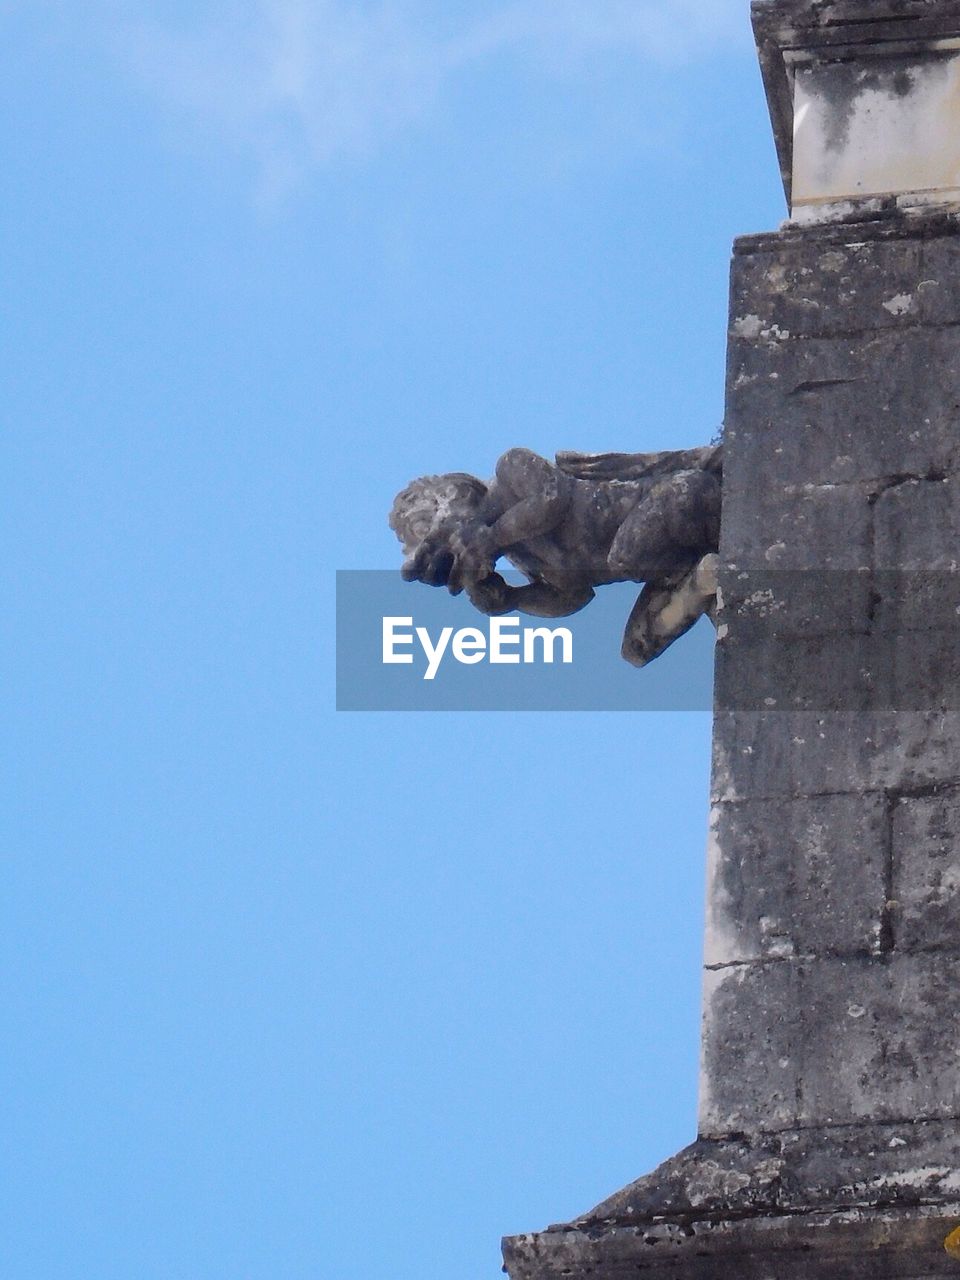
(428,515)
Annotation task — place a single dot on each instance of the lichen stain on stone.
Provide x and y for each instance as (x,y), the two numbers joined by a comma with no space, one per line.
(711,1183)
(833,261)
(752,327)
(900,304)
(762,603)
(747,326)
(776,278)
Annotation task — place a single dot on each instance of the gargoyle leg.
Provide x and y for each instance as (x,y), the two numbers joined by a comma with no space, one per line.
(664,611)
(679,515)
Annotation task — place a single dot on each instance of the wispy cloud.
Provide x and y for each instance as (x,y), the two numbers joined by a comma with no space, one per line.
(664,30)
(300,82)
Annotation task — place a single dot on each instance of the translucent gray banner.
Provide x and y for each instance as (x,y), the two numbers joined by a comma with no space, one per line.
(460,660)
(789,640)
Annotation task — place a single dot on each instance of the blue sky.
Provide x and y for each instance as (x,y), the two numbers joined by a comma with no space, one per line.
(289,992)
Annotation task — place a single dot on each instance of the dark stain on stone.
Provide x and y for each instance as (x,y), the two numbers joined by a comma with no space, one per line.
(839,86)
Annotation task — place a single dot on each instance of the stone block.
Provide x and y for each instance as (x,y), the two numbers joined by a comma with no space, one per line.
(938,290)
(798,527)
(914,1163)
(800,602)
(779,401)
(840,410)
(782,753)
(837,673)
(750,1049)
(880,1039)
(834,280)
(825,674)
(915,523)
(925,667)
(915,600)
(828,290)
(926,871)
(796,878)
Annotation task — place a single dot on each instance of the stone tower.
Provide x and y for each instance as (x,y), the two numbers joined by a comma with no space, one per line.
(829,1127)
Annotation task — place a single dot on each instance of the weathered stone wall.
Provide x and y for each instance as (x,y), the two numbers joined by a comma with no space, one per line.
(835,857)
(829,1143)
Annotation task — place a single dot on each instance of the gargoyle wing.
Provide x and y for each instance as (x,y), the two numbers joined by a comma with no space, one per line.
(640,466)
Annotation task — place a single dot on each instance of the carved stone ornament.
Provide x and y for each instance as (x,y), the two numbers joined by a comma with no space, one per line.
(585,521)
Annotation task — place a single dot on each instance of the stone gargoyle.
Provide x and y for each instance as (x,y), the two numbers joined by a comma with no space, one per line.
(584,522)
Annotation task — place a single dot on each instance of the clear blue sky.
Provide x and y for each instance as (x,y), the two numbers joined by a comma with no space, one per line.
(288,993)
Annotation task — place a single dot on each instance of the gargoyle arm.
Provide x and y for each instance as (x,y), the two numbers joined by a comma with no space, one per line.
(494,596)
(530,496)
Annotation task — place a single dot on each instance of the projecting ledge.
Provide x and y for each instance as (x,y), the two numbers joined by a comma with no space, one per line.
(842,1202)
(876,1244)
